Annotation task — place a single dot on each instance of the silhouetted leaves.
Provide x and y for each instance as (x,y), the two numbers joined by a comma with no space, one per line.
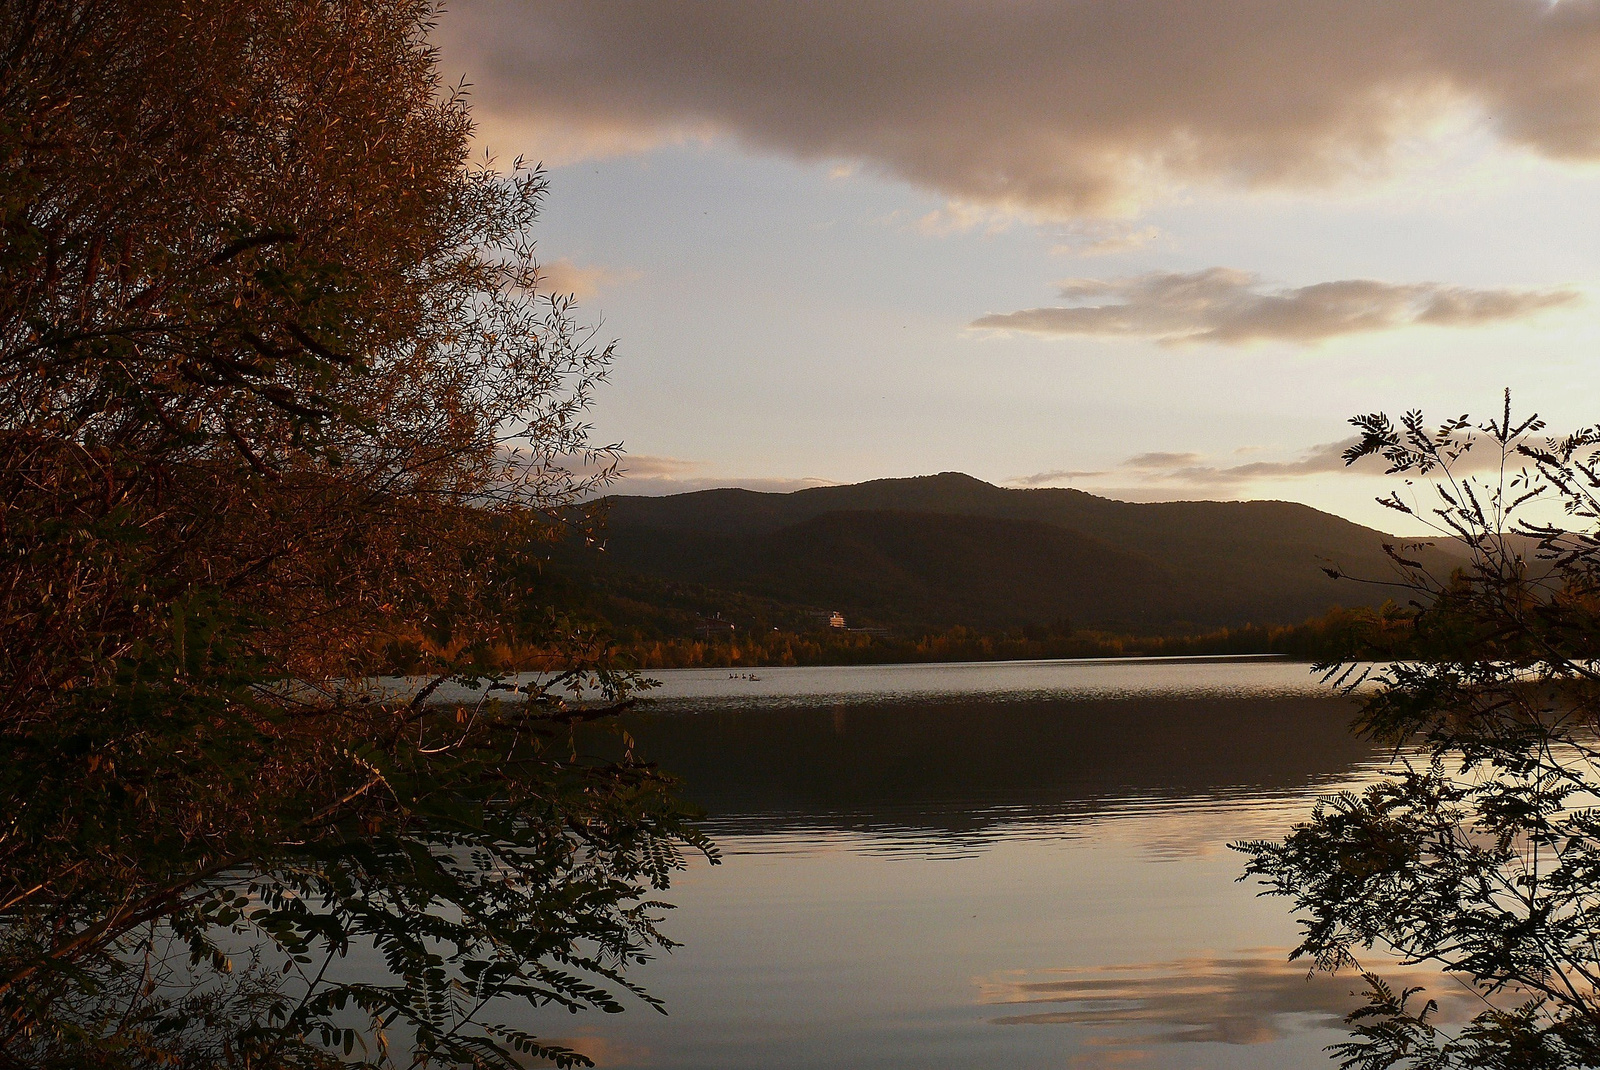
(1480,853)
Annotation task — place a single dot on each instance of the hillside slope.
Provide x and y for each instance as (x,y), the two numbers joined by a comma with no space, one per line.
(951,549)
(918,569)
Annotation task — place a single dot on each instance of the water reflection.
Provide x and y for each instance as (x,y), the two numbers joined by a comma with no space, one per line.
(1254,996)
(965,767)
(1020,878)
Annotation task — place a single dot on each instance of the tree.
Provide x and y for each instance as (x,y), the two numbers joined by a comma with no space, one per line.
(278,383)
(1480,853)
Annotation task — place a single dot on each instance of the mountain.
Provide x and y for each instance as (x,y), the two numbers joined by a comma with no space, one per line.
(935,551)
(910,569)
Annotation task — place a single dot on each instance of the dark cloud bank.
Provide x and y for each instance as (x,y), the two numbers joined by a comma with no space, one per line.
(1064,108)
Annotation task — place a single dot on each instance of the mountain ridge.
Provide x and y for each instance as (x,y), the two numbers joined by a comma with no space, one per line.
(950,549)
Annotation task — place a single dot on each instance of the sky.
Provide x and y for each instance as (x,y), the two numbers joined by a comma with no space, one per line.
(1151,250)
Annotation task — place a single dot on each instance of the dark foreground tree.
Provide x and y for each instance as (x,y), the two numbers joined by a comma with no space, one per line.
(1480,853)
(277,385)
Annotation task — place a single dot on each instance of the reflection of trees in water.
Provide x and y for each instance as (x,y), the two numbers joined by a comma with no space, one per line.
(963,769)
(1482,857)
(513,871)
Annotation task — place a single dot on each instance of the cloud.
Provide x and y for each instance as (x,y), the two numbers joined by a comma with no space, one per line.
(565,277)
(656,486)
(1228,307)
(1064,109)
(960,217)
(1161,460)
(1055,475)
(1323,459)
(654,475)
(1194,471)
(648,466)
(1099,238)
(1191,469)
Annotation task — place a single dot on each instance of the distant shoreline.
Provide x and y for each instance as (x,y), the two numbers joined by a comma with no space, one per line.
(1325,638)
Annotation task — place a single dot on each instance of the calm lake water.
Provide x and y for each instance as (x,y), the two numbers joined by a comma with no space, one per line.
(1010,865)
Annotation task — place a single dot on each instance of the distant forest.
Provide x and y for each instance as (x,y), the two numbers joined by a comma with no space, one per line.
(1338,633)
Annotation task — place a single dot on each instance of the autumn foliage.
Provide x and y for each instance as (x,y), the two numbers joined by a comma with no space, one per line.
(278,379)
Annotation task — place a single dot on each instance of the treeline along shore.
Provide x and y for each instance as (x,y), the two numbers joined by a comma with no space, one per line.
(1330,636)
(1340,632)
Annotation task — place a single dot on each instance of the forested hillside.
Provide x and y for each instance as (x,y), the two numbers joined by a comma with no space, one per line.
(944,550)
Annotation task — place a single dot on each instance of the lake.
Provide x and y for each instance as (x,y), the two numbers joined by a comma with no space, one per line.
(1009,865)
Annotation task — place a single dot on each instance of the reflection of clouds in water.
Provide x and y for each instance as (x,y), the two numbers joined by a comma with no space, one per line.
(1185,832)
(1099,1060)
(604,1051)
(1171,830)
(1255,996)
